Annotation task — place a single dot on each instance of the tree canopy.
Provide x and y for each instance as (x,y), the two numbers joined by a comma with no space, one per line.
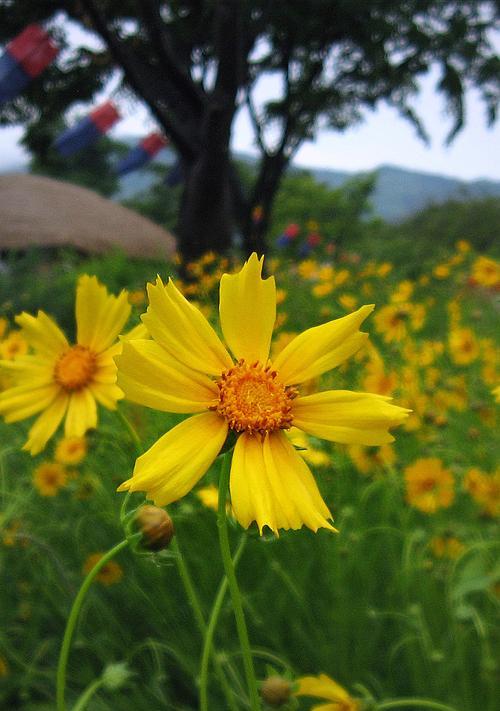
(197,63)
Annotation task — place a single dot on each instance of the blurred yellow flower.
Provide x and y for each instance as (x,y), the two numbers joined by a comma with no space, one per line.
(429,486)
(486,271)
(13,346)
(366,460)
(185,368)
(324,687)
(463,246)
(394,320)
(463,346)
(71,450)
(49,477)
(446,547)
(63,381)
(110,573)
(484,489)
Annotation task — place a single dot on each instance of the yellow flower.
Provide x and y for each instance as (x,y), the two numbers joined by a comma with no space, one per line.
(496,393)
(13,346)
(429,486)
(446,547)
(394,320)
(366,460)
(484,489)
(323,289)
(60,380)
(71,450)
(463,346)
(324,687)
(49,477)
(384,269)
(185,368)
(486,271)
(137,297)
(348,301)
(441,271)
(463,246)
(110,573)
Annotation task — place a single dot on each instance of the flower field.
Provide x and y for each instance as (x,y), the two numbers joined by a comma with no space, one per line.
(363,529)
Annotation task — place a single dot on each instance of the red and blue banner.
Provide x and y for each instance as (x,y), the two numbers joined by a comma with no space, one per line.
(142,153)
(25,57)
(88,130)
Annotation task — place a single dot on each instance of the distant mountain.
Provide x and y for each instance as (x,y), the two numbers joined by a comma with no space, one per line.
(398,192)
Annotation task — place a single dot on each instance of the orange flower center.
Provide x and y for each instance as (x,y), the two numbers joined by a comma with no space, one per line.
(75,368)
(252,399)
(427,484)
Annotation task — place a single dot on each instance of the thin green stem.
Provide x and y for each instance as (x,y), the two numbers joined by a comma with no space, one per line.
(233,584)
(188,586)
(73,619)
(87,695)
(420,703)
(131,430)
(212,625)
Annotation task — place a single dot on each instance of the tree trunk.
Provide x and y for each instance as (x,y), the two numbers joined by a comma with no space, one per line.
(261,204)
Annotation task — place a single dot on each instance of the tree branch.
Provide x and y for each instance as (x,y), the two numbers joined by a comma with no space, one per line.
(140,80)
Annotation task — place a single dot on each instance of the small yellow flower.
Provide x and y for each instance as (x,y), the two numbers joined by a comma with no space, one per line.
(441,271)
(137,297)
(49,477)
(209,496)
(185,368)
(486,272)
(13,346)
(463,246)
(323,289)
(484,489)
(324,687)
(63,381)
(71,450)
(109,574)
(496,393)
(348,302)
(446,547)
(429,486)
(463,346)
(368,459)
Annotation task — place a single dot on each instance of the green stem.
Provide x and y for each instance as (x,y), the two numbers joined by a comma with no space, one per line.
(212,624)
(420,703)
(87,695)
(233,584)
(131,430)
(73,619)
(188,586)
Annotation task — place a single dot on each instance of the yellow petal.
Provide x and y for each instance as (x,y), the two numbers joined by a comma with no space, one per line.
(323,687)
(82,413)
(348,417)
(23,401)
(42,333)
(321,348)
(183,331)
(106,394)
(100,316)
(178,460)
(272,485)
(248,311)
(149,376)
(45,426)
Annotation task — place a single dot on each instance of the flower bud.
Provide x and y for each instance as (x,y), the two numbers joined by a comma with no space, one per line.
(156,526)
(276,691)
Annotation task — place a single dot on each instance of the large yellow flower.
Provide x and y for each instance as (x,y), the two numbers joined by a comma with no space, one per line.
(62,380)
(185,368)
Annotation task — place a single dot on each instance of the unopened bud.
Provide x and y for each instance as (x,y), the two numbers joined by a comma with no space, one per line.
(156,526)
(276,691)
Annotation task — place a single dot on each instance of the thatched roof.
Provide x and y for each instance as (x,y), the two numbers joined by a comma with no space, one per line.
(39,211)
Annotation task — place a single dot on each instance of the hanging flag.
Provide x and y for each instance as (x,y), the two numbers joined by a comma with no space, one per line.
(142,153)
(88,130)
(25,57)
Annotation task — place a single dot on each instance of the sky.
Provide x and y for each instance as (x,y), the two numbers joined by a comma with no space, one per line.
(382,138)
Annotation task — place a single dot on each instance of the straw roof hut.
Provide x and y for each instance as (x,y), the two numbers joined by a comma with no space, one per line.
(40,211)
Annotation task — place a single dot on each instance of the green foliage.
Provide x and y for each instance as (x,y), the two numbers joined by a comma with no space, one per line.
(160,203)
(371,606)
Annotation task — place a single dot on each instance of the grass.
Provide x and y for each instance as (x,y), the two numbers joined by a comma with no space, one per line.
(372,606)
